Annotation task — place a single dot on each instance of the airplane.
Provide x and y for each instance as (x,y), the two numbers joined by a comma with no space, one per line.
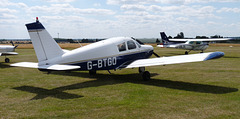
(8,50)
(190,44)
(109,54)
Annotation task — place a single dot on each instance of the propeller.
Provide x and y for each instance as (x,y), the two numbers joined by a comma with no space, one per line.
(13,44)
(143,44)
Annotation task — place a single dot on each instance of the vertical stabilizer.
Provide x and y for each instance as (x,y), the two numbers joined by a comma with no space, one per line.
(164,38)
(44,45)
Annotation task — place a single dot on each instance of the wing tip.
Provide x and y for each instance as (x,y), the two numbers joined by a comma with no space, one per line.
(214,55)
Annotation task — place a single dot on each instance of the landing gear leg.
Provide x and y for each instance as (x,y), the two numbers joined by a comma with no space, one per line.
(92,72)
(186,53)
(7,60)
(141,69)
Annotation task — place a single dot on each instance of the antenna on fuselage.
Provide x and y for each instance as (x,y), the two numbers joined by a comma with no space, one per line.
(79,43)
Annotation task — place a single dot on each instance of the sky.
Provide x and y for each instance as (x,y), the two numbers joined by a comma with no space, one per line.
(113,18)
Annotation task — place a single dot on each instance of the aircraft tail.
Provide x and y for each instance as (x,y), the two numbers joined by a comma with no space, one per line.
(44,45)
(164,37)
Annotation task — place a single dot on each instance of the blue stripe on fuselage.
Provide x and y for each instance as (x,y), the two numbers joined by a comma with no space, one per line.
(113,62)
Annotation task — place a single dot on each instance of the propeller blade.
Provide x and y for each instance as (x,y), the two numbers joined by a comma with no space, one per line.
(156,54)
(12,43)
(16,46)
(138,41)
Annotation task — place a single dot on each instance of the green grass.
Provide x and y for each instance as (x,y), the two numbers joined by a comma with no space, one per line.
(194,90)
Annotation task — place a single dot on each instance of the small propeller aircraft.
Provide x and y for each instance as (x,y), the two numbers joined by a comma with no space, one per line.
(190,44)
(8,50)
(109,54)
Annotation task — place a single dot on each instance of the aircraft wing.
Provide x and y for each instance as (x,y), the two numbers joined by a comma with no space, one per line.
(8,53)
(167,46)
(210,39)
(57,67)
(175,59)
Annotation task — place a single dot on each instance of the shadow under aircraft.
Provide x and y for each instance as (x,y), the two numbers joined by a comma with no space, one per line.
(106,79)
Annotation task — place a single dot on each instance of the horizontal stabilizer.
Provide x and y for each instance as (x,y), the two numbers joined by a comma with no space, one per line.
(175,59)
(210,39)
(8,53)
(57,67)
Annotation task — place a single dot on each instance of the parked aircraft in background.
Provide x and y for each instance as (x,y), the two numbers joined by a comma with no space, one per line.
(7,50)
(110,54)
(190,44)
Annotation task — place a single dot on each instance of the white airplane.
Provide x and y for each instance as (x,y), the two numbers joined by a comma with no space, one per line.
(190,44)
(110,54)
(7,50)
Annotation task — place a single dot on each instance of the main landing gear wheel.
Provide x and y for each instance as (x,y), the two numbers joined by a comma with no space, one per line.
(186,52)
(92,72)
(7,60)
(146,76)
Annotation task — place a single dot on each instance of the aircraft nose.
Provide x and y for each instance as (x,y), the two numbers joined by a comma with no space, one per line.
(149,47)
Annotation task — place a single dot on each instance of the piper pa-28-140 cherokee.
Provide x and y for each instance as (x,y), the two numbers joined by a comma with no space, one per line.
(110,54)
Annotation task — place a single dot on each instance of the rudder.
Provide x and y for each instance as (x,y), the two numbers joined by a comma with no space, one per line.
(44,45)
(164,38)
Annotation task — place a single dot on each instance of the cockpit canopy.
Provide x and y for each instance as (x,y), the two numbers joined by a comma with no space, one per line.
(128,45)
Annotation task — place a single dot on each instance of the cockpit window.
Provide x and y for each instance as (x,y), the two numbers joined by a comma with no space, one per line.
(198,42)
(191,42)
(122,47)
(131,45)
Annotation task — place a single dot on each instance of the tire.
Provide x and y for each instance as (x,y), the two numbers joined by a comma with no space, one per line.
(146,76)
(7,60)
(92,72)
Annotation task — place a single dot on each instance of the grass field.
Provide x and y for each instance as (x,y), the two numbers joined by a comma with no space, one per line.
(194,90)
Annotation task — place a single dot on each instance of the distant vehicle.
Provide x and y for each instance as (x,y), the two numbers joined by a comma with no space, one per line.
(110,54)
(190,44)
(6,50)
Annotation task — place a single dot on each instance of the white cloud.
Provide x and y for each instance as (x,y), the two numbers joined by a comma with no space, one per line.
(183,19)
(135,7)
(226,9)
(97,5)
(7,16)
(174,2)
(5,3)
(175,11)
(7,10)
(57,1)
(66,9)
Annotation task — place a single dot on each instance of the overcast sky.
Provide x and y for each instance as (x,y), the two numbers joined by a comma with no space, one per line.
(110,18)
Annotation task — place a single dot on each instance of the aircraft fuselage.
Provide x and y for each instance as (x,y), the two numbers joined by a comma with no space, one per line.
(6,48)
(104,55)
